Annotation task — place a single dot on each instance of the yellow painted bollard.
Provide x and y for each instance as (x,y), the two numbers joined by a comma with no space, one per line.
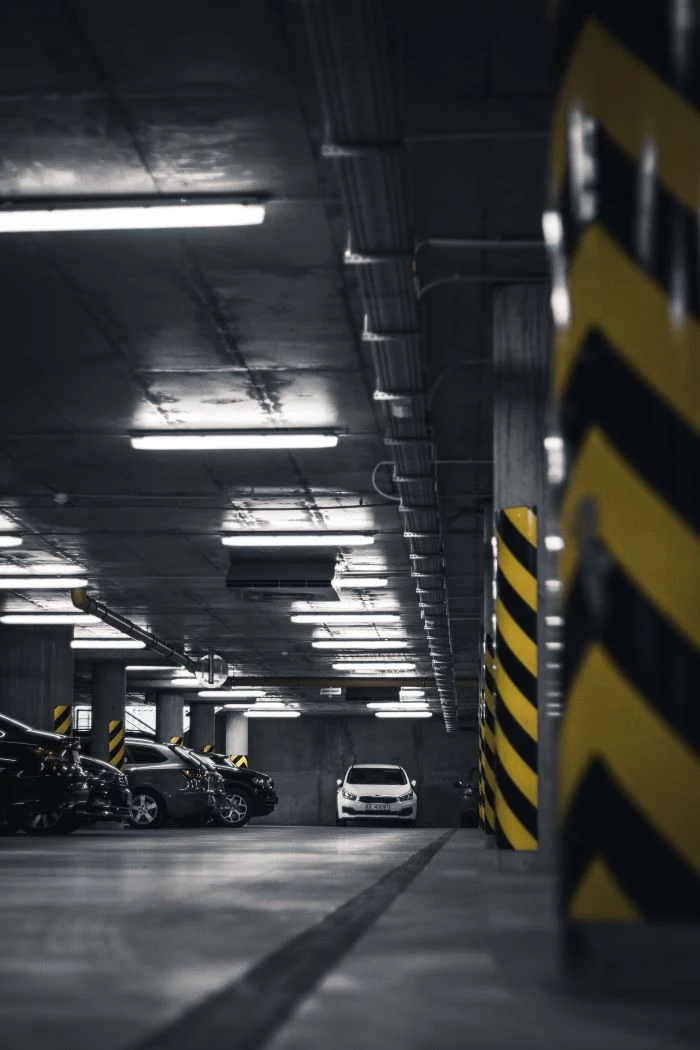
(239,760)
(63,719)
(116,743)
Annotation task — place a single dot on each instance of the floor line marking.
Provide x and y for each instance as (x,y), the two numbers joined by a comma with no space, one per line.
(246,1013)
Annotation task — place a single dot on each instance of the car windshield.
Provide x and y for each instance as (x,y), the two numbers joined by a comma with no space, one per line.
(376,775)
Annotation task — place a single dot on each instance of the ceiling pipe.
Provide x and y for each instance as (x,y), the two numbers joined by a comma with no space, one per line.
(265,682)
(81,600)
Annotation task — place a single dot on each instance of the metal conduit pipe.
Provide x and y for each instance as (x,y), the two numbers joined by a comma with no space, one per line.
(353,56)
(485,243)
(81,600)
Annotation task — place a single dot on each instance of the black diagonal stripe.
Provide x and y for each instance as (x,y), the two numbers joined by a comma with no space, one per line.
(602,391)
(501,838)
(603,821)
(488,793)
(519,675)
(489,680)
(518,738)
(488,756)
(118,729)
(489,645)
(643,30)
(524,616)
(521,549)
(672,226)
(519,806)
(490,720)
(604,606)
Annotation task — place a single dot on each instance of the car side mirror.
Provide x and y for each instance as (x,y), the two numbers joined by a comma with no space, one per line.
(339,782)
(413,783)
(459,783)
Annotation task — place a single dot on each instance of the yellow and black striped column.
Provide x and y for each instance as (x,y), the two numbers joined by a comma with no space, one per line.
(516,680)
(179,740)
(63,719)
(239,760)
(625,245)
(116,743)
(489,738)
(208,748)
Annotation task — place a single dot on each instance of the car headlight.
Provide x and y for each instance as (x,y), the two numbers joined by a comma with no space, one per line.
(405,798)
(349,795)
(258,781)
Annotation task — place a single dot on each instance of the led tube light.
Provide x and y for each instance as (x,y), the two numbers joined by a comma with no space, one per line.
(372,666)
(255,713)
(403,714)
(383,705)
(106,643)
(42,570)
(298,539)
(158,215)
(48,618)
(354,643)
(151,667)
(237,694)
(40,583)
(345,619)
(233,441)
(349,582)
(10,541)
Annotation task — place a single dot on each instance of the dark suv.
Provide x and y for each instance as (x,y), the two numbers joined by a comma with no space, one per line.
(168,781)
(249,793)
(41,779)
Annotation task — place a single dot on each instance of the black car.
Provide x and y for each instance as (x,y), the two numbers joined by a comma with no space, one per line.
(170,782)
(249,793)
(469,800)
(40,773)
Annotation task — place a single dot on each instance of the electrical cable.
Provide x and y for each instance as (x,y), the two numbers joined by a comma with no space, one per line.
(375,486)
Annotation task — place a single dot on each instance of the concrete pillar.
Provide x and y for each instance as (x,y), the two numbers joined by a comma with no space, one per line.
(522,341)
(622,236)
(232,733)
(108,705)
(202,730)
(170,715)
(36,673)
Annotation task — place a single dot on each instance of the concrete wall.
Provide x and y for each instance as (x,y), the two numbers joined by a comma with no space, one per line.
(307,756)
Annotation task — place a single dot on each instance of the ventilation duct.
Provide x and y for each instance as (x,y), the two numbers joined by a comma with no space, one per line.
(260,578)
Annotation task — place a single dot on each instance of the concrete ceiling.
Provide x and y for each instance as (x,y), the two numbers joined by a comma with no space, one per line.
(110,333)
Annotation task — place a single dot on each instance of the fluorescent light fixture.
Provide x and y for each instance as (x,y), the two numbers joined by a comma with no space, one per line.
(151,667)
(384,705)
(354,643)
(44,569)
(373,665)
(237,707)
(256,713)
(49,618)
(156,215)
(554,621)
(234,441)
(298,539)
(106,643)
(238,694)
(270,705)
(403,714)
(348,582)
(10,541)
(410,693)
(189,683)
(40,583)
(345,619)
(554,543)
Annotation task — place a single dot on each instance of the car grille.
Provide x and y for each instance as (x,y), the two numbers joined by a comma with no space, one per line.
(377,798)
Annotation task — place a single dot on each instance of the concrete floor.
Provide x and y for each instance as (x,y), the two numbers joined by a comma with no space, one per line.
(119,939)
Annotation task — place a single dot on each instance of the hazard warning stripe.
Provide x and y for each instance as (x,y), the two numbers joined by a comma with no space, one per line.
(516,682)
(63,719)
(599,64)
(488,739)
(632,311)
(656,548)
(116,743)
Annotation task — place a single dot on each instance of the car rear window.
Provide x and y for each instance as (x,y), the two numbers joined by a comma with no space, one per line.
(143,755)
(377,775)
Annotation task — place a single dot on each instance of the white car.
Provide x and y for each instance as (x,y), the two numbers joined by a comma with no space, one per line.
(371,792)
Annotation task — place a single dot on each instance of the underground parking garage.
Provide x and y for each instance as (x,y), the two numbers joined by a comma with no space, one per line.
(349,554)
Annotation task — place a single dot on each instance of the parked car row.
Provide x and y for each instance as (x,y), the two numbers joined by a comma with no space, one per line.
(47,786)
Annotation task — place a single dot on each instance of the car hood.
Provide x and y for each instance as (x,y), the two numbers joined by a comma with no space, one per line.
(378,789)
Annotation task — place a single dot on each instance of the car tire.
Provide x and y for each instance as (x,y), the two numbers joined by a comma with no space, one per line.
(147,811)
(54,823)
(237,812)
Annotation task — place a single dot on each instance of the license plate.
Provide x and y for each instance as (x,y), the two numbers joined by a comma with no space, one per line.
(378,806)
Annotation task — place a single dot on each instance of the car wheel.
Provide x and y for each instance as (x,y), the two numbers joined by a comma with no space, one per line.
(53,823)
(147,810)
(235,811)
